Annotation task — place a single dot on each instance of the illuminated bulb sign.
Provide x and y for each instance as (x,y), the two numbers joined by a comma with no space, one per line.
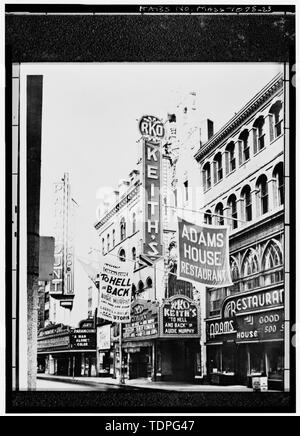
(63,269)
(152,130)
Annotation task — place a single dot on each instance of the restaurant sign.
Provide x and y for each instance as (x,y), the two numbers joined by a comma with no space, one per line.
(248,328)
(180,318)
(203,254)
(253,302)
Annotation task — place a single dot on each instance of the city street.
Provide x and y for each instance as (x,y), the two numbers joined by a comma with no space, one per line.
(54,385)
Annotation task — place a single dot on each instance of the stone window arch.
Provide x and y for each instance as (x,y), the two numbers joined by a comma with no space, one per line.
(262,195)
(250,270)
(218,167)
(230,157)
(272,263)
(206,176)
(232,211)
(122,255)
(149,282)
(259,134)
(208,217)
(123,229)
(278,178)
(276,120)
(246,203)
(219,211)
(244,149)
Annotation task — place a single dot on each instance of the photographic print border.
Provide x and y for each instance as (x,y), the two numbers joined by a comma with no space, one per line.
(62,33)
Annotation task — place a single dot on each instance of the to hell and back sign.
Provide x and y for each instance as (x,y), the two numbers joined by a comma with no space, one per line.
(203,254)
(179,317)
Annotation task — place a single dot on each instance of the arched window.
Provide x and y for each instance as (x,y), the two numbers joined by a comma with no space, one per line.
(218,169)
(244,150)
(262,195)
(108,241)
(272,256)
(230,157)
(103,246)
(258,134)
(278,184)
(273,263)
(219,211)
(235,275)
(113,237)
(250,268)
(208,217)
(206,176)
(149,282)
(140,286)
(133,222)
(123,229)
(133,291)
(133,253)
(232,212)
(247,203)
(122,255)
(276,120)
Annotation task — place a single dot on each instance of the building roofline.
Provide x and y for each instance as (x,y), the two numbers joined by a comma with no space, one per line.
(119,204)
(269,89)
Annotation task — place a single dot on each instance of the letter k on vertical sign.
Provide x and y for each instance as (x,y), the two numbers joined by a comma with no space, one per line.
(152,203)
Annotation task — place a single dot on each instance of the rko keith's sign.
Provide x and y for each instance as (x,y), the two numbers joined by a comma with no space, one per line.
(151,127)
(179,317)
(152,130)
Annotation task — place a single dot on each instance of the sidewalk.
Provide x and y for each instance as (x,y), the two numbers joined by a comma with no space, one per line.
(145,384)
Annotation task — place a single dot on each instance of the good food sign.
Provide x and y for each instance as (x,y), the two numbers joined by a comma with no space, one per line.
(258,315)
(179,317)
(152,130)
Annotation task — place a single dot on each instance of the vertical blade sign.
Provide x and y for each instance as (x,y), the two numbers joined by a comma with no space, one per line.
(152,131)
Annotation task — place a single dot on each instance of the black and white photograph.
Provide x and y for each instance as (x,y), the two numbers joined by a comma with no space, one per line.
(151,259)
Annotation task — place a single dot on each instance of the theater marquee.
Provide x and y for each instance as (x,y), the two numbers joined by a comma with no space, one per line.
(179,318)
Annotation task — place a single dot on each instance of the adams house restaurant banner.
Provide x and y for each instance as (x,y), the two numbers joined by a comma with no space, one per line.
(115,292)
(203,254)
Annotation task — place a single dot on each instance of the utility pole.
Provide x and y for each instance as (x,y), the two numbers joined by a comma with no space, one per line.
(122,380)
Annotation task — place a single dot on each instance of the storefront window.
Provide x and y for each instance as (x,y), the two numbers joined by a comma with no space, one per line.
(257,359)
(275,362)
(214,359)
(228,360)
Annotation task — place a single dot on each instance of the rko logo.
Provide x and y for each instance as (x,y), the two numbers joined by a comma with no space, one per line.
(151,127)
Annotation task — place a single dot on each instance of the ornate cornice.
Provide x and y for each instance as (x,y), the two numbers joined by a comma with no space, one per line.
(117,207)
(251,107)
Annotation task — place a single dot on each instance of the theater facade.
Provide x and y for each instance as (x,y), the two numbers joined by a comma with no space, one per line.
(162,341)
(67,351)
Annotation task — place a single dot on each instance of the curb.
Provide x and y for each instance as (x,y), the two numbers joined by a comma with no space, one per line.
(91,383)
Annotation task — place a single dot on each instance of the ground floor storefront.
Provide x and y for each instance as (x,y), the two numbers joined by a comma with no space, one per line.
(68,363)
(65,351)
(162,343)
(246,341)
(233,364)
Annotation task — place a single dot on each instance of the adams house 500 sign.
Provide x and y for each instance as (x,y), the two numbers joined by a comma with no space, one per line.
(179,317)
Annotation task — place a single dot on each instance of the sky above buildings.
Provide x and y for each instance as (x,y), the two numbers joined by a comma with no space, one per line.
(91,113)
